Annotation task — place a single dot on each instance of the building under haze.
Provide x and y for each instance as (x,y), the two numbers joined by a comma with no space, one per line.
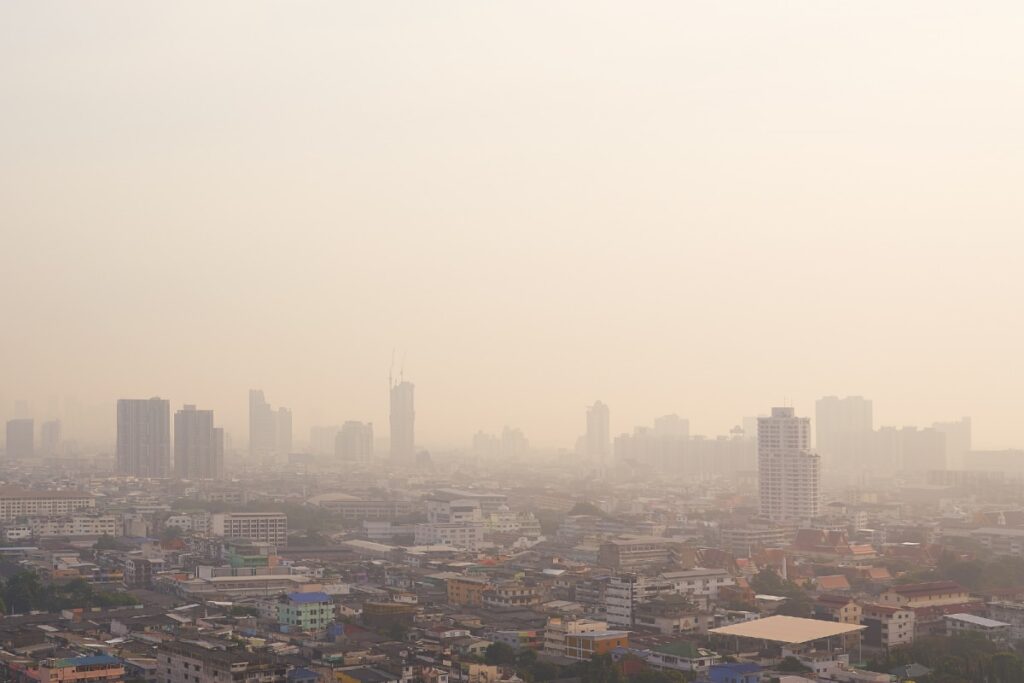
(198,445)
(323,439)
(958,441)
(354,442)
(843,429)
(50,437)
(402,417)
(270,431)
(21,438)
(597,441)
(789,473)
(144,437)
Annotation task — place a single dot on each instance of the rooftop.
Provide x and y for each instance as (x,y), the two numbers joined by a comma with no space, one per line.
(976,620)
(791,630)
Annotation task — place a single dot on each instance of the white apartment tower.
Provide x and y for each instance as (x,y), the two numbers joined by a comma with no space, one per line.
(789,473)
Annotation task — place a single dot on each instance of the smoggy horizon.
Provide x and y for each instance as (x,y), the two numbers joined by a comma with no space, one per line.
(703,209)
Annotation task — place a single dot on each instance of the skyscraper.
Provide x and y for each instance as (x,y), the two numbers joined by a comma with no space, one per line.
(402,419)
(49,437)
(789,474)
(598,443)
(21,438)
(284,430)
(354,442)
(270,431)
(958,442)
(198,445)
(144,437)
(323,439)
(843,429)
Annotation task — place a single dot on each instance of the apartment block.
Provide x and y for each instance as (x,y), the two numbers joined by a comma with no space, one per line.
(261,527)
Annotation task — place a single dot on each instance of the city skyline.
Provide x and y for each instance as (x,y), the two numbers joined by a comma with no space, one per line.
(611,215)
(310,433)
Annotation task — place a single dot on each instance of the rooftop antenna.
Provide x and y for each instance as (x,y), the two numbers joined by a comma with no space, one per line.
(401,369)
(391,369)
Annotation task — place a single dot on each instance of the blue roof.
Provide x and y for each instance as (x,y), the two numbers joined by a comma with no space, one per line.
(737,667)
(87,661)
(305,598)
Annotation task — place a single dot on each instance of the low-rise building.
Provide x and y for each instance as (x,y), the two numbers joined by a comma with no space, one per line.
(585,646)
(558,630)
(263,527)
(887,626)
(839,608)
(466,590)
(310,612)
(182,662)
(933,593)
(21,502)
(970,623)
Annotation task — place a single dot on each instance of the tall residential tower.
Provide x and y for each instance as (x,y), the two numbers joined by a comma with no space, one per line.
(144,437)
(198,445)
(789,473)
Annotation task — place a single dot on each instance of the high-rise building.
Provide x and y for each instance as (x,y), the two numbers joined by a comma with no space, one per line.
(284,430)
(789,473)
(323,439)
(21,438)
(403,422)
(354,442)
(270,431)
(843,430)
(198,445)
(49,438)
(922,450)
(144,437)
(958,441)
(598,442)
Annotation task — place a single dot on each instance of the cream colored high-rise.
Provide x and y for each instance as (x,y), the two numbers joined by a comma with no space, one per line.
(789,473)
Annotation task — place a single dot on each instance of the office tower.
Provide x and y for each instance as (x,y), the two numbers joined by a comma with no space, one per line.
(270,431)
(789,473)
(354,442)
(144,437)
(958,442)
(49,438)
(843,429)
(403,422)
(21,438)
(198,445)
(598,437)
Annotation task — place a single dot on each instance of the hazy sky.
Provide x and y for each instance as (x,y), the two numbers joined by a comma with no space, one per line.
(692,207)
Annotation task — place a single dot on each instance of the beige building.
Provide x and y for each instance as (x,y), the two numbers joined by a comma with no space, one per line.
(934,593)
(261,527)
(557,630)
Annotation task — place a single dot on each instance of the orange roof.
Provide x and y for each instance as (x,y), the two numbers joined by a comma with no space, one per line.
(835,582)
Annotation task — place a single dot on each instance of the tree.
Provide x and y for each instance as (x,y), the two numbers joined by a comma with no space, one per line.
(21,593)
(499,653)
